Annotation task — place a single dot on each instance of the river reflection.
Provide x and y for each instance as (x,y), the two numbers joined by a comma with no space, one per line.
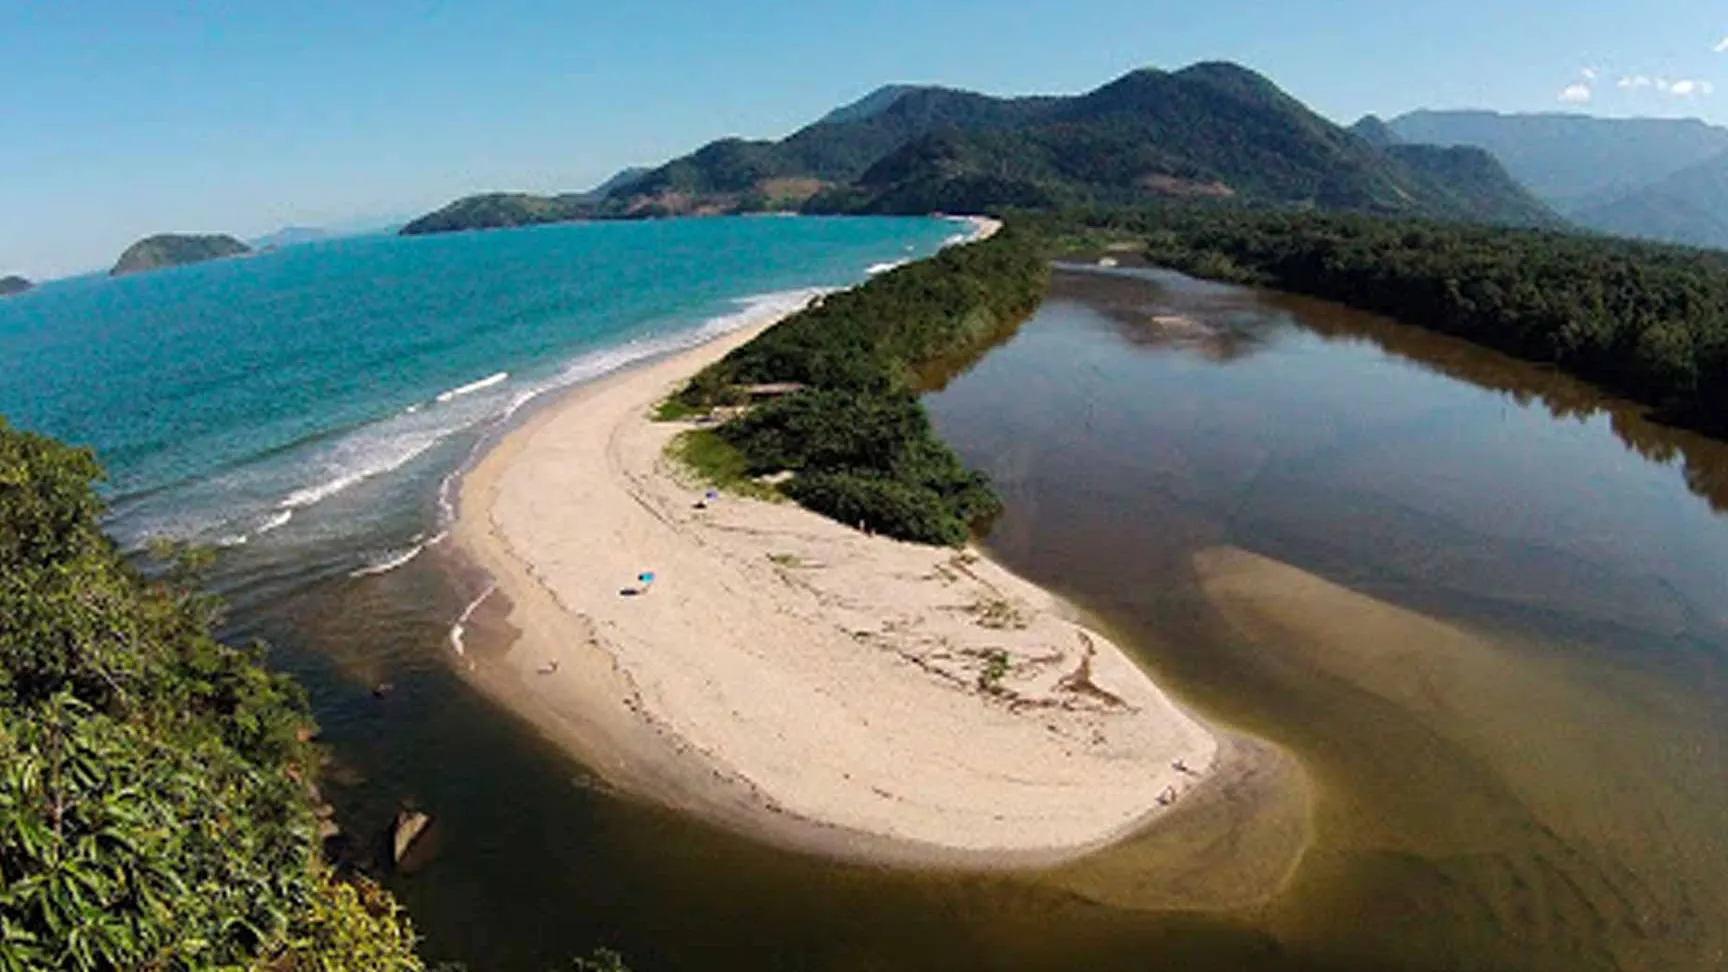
(1484,605)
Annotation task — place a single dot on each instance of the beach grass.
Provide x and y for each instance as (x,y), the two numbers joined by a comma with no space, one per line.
(720,464)
(675,409)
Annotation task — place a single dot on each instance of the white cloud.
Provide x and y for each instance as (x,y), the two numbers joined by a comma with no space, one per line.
(1589,73)
(1575,94)
(1634,82)
(1721,46)
(1689,88)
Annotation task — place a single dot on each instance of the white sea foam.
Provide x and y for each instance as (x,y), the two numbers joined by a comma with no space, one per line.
(474,386)
(364,456)
(389,563)
(255,499)
(461,626)
(876,269)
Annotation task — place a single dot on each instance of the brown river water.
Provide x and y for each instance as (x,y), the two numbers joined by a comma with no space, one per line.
(1482,607)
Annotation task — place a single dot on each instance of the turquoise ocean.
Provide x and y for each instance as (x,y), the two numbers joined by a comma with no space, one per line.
(303,410)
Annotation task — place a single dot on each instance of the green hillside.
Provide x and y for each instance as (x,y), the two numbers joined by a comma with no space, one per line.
(1689,206)
(1209,131)
(156,809)
(498,210)
(1572,162)
(173,250)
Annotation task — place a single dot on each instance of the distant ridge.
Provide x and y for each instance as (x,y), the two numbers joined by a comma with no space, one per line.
(1376,132)
(175,249)
(1572,160)
(1208,131)
(1690,206)
(1656,178)
(14,285)
(291,236)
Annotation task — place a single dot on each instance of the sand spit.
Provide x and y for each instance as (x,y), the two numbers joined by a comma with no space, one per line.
(795,678)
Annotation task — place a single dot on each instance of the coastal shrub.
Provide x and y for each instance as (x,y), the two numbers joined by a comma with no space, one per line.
(856,435)
(829,430)
(718,463)
(1646,320)
(905,511)
(154,806)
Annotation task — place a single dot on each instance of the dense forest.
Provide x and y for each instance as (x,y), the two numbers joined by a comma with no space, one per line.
(856,438)
(1211,130)
(1644,320)
(155,783)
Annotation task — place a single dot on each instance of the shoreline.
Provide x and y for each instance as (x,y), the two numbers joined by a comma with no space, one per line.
(792,679)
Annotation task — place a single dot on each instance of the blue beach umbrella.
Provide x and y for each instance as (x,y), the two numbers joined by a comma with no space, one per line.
(646,577)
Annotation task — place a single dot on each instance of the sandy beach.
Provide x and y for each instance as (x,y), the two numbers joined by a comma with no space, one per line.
(793,678)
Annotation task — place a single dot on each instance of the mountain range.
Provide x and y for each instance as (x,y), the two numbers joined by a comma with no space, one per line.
(1212,130)
(1657,178)
(14,285)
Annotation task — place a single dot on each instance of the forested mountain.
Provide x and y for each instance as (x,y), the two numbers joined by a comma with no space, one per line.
(1655,178)
(14,285)
(497,210)
(1572,162)
(1374,130)
(173,250)
(1210,130)
(870,105)
(619,180)
(1690,206)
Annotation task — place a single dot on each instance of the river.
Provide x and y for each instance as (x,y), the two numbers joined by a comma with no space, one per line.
(1480,604)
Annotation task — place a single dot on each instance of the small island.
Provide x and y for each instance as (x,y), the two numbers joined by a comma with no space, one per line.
(174,250)
(14,285)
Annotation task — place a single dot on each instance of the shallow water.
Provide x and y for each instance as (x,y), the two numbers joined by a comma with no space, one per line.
(1481,605)
(1493,635)
(1510,691)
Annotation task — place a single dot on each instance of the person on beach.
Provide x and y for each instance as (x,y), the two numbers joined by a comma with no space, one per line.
(644,581)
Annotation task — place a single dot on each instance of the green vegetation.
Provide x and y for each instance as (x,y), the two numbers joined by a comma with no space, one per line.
(174,250)
(996,668)
(14,285)
(859,444)
(155,810)
(675,409)
(1207,131)
(719,463)
(497,210)
(1647,321)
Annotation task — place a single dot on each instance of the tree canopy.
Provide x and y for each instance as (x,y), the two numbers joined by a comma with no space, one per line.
(859,444)
(154,782)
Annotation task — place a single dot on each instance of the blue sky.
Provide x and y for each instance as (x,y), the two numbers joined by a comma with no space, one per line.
(120,118)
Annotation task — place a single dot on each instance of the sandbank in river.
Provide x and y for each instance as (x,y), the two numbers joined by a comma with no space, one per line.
(799,680)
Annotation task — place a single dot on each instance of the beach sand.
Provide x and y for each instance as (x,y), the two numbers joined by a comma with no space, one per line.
(796,679)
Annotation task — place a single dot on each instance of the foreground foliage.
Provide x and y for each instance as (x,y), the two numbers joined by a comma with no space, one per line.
(859,444)
(1644,320)
(154,811)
